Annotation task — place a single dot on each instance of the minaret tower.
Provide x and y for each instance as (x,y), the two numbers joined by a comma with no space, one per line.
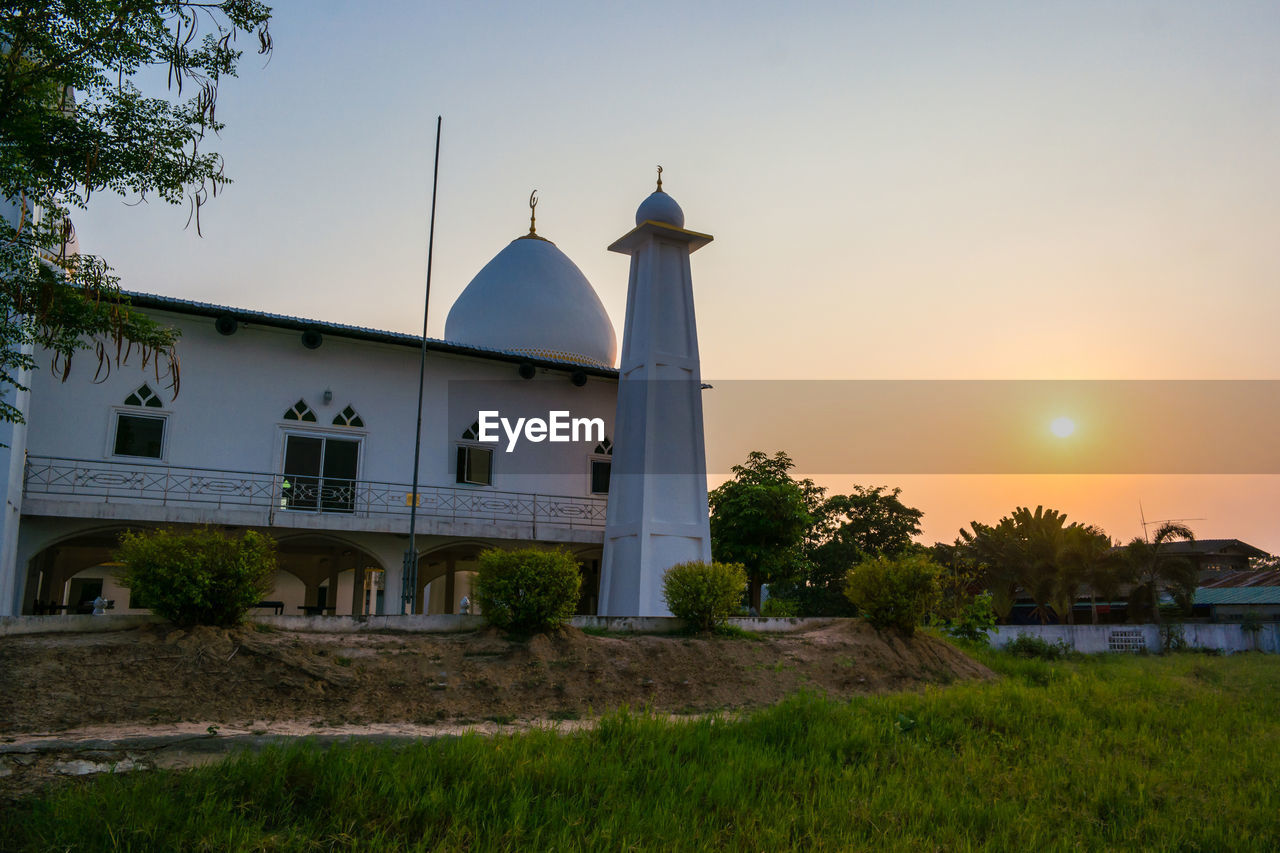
(657,513)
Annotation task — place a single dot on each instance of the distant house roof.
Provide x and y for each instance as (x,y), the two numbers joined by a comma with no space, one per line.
(284,321)
(1229,580)
(1205,547)
(1239,595)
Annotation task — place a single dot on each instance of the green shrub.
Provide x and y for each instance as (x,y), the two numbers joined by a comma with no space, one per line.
(199,577)
(527,590)
(1028,646)
(894,593)
(975,620)
(704,595)
(780,607)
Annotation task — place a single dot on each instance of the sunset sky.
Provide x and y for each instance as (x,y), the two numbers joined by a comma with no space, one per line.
(907,191)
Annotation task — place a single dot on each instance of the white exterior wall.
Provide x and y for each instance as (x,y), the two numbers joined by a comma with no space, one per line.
(235,390)
(228,416)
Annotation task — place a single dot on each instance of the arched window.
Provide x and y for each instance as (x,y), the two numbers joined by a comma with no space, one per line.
(137,434)
(348,418)
(300,411)
(474,464)
(601,467)
(145,397)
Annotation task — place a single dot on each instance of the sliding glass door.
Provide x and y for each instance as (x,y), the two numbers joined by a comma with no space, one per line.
(320,473)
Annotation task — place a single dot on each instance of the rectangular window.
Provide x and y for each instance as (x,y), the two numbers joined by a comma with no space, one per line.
(320,473)
(475,465)
(139,436)
(600,470)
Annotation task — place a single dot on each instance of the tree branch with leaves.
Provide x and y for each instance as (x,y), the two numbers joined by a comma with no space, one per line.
(74,121)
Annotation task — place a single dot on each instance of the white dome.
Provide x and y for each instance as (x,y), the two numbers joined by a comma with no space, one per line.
(660,207)
(533,300)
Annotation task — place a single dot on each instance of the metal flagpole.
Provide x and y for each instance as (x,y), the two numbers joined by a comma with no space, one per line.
(409,593)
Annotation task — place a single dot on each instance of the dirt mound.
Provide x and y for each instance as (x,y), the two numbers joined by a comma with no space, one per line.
(158,675)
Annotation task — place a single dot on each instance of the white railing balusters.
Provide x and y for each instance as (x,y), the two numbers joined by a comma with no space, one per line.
(123,482)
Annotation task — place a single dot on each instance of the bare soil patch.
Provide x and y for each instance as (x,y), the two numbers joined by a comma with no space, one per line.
(158,680)
(159,674)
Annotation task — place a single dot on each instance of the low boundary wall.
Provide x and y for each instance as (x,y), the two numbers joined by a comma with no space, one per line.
(71,624)
(1089,639)
(433,624)
(1094,639)
(438,624)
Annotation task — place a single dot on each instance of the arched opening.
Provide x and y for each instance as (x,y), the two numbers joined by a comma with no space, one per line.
(446,576)
(317,575)
(289,590)
(337,578)
(81,589)
(66,576)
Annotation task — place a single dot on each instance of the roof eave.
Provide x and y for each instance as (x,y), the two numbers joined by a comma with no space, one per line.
(280,321)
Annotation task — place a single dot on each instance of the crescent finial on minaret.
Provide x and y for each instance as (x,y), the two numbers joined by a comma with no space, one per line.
(533,214)
(659,179)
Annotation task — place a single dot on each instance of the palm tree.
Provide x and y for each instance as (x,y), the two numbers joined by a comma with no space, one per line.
(1019,552)
(993,552)
(1042,534)
(1087,560)
(1155,570)
(1109,578)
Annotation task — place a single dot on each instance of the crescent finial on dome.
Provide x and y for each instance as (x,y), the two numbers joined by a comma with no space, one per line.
(660,207)
(533,213)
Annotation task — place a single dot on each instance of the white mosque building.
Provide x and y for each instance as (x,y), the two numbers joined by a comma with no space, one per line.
(305,430)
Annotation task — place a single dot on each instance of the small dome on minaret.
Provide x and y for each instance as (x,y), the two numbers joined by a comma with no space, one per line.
(660,207)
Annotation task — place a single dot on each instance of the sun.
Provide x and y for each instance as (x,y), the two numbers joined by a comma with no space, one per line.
(1062,427)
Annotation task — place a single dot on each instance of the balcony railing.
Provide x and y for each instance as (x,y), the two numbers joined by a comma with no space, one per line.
(168,485)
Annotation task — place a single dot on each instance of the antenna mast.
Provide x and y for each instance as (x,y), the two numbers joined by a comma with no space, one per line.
(1146,524)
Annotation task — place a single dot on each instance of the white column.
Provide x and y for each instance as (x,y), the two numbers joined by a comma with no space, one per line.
(13,457)
(657,514)
(13,460)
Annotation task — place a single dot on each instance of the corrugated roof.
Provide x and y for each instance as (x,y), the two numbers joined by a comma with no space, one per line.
(1237,579)
(1239,595)
(285,321)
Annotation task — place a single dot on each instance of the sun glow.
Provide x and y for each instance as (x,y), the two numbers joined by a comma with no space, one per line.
(1062,427)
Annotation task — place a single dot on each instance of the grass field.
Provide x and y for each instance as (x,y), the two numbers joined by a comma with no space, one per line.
(1162,753)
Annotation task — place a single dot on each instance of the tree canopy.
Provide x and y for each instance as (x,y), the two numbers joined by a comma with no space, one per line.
(760,519)
(803,543)
(1039,554)
(792,536)
(868,523)
(75,121)
(1087,562)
